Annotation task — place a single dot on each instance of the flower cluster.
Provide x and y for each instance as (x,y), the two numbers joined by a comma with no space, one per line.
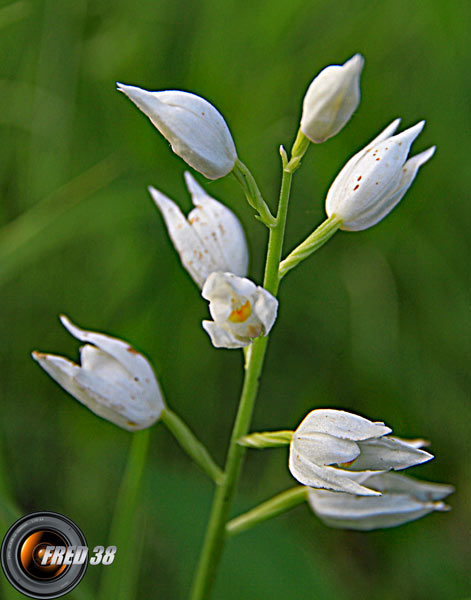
(345,462)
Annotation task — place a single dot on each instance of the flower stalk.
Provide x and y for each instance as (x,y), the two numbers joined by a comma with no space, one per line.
(192,446)
(267,510)
(313,242)
(252,193)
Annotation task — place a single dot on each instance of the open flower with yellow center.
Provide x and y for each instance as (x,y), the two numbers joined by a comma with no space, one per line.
(339,451)
(241,310)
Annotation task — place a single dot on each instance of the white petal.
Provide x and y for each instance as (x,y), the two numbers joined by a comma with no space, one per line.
(218,292)
(223,290)
(102,363)
(381,209)
(222,338)
(105,399)
(366,513)
(341,424)
(324,449)
(194,256)
(61,370)
(331,478)
(339,184)
(424,491)
(130,359)
(241,286)
(220,228)
(266,308)
(118,401)
(373,179)
(389,452)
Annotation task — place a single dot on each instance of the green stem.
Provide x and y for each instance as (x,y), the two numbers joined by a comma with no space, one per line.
(215,533)
(313,242)
(192,446)
(114,580)
(300,146)
(267,510)
(271,281)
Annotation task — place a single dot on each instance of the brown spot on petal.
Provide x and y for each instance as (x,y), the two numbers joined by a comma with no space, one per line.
(356,187)
(131,423)
(359,179)
(132,350)
(378,159)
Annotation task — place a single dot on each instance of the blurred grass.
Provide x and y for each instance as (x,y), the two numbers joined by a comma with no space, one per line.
(377,322)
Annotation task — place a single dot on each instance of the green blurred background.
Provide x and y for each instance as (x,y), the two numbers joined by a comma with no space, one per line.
(377,322)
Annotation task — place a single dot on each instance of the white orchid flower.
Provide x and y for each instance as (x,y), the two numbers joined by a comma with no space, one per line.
(403,499)
(331,100)
(114,380)
(196,131)
(337,450)
(375,179)
(211,239)
(241,310)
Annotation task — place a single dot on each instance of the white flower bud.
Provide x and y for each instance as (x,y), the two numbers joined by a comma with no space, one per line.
(241,310)
(196,131)
(403,499)
(331,100)
(114,381)
(211,239)
(375,179)
(337,450)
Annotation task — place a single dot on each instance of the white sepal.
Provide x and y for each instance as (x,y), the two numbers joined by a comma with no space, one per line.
(331,99)
(403,499)
(375,179)
(210,239)
(114,380)
(195,129)
(241,310)
(337,450)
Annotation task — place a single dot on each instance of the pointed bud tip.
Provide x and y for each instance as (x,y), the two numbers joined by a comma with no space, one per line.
(66,322)
(157,196)
(357,61)
(190,180)
(122,87)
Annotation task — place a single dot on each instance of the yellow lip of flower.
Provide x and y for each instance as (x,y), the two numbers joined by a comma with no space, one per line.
(240,315)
